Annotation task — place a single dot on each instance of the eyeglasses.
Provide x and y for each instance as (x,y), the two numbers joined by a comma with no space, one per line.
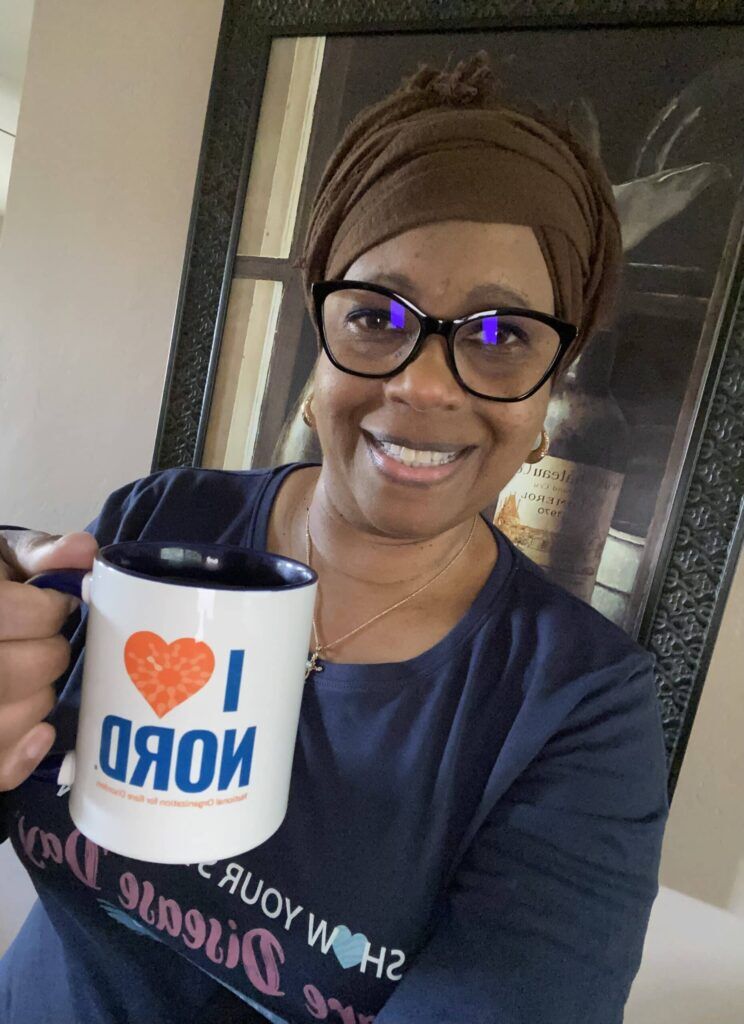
(504,355)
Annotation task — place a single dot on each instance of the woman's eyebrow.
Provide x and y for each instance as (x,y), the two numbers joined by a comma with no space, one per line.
(396,282)
(483,295)
(487,295)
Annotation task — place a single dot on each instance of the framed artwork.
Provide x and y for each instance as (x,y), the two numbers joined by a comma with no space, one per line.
(638,506)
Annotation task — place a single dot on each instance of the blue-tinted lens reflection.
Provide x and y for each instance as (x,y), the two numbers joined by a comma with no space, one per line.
(491,330)
(397,314)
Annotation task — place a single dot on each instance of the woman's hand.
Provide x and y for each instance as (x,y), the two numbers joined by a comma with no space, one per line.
(33,654)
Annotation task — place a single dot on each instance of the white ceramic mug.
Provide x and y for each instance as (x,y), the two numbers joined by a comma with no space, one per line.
(192,683)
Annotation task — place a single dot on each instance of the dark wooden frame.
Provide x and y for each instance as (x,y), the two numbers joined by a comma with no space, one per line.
(700,546)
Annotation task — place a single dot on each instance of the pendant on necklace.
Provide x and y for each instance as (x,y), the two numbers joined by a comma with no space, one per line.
(311,665)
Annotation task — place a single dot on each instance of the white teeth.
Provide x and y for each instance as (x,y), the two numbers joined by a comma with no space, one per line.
(413,457)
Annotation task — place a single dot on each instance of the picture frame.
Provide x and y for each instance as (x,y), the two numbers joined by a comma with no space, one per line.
(695,542)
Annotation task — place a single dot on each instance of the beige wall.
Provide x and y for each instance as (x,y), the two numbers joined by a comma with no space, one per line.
(91,253)
(92,247)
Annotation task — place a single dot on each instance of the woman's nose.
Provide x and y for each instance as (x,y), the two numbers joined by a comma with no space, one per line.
(427,382)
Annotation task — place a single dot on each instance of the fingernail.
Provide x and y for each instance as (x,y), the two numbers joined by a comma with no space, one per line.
(36,747)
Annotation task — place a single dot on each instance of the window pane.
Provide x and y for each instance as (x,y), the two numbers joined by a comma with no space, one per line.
(280,149)
(247,342)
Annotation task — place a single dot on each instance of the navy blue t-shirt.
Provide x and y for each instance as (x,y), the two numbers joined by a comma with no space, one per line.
(473,835)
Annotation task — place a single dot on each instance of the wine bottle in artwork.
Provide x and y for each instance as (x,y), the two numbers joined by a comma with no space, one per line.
(559,510)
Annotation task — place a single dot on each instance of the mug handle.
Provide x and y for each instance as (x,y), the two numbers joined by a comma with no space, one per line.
(75,582)
(67,581)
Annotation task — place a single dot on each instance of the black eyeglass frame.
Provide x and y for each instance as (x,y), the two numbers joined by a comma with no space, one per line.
(446,328)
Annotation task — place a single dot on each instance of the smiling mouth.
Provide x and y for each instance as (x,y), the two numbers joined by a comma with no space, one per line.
(417,455)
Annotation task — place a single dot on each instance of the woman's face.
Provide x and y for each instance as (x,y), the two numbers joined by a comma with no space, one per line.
(448,270)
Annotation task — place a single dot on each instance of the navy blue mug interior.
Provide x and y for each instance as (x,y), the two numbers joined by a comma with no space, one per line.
(217,566)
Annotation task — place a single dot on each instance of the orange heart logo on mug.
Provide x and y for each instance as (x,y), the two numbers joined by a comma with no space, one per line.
(167,674)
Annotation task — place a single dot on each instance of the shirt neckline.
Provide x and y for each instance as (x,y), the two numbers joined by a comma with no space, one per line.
(489,602)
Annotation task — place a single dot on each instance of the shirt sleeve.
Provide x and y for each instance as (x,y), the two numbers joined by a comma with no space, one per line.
(545,918)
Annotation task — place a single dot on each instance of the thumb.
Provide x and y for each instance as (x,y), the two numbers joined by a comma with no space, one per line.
(29,552)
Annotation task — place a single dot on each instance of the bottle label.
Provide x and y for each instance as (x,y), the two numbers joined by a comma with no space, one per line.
(559,513)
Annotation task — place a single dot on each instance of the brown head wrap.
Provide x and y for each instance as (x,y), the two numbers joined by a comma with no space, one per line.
(445,147)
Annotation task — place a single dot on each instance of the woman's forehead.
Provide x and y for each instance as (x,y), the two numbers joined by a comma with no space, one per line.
(482,295)
(461,265)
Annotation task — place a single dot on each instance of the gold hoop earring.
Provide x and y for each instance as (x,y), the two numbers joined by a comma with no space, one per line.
(306,414)
(539,453)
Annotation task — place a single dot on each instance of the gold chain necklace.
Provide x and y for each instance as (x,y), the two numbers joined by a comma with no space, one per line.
(320,649)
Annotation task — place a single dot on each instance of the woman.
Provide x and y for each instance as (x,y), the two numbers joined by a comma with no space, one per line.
(478,793)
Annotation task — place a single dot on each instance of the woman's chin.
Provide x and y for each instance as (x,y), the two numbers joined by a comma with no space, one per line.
(410,512)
